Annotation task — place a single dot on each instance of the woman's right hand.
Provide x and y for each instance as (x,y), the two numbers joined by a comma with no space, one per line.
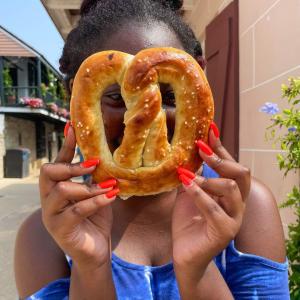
(78,217)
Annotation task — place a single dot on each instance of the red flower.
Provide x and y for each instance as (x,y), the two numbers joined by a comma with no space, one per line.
(32,102)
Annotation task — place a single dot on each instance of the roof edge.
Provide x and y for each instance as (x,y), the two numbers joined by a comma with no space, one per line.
(31,49)
(48,12)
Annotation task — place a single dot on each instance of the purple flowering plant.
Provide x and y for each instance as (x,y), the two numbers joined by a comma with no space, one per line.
(289,160)
(269,108)
(289,119)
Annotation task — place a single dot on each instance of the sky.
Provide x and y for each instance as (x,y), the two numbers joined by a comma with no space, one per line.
(29,21)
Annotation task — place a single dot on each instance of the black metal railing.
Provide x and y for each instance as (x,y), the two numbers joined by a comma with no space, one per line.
(13,95)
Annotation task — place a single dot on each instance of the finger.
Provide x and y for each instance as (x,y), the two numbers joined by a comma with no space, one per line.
(226,168)
(215,142)
(227,194)
(65,193)
(74,214)
(65,171)
(52,172)
(67,151)
(209,209)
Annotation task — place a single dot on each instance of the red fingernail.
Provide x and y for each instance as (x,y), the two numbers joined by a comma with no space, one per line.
(108,183)
(185,180)
(204,148)
(215,129)
(67,126)
(186,172)
(112,193)
(90,163)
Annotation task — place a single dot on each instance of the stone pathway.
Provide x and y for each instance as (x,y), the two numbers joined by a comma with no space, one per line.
(18,199)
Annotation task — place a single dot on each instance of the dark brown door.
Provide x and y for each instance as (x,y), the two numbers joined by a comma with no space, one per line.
(222,54)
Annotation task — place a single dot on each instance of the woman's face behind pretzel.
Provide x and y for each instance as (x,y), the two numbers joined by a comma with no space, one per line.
(131,39)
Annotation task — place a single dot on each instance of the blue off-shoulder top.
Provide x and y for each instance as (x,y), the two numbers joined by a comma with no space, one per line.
(248,276)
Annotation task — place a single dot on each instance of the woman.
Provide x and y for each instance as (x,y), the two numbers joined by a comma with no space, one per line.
(223,235)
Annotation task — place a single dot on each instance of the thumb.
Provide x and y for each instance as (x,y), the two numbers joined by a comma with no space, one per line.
(67,151)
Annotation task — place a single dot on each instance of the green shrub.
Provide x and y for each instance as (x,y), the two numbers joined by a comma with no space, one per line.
(285,130)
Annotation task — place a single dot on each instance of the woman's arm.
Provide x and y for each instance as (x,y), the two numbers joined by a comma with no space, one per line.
(78,218)
(36,251)
(206,219)
(92,284)
(38,260)
(261,232)
(256,264)
(211,286)
(261,235)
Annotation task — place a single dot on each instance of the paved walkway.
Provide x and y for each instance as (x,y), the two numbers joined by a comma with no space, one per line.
(18,198)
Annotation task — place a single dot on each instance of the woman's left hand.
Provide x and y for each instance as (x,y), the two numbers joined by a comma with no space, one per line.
(208,213)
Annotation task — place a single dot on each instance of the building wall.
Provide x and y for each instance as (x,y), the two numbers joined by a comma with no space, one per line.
(203,14)
(269,55)
(21,133)
(51,137)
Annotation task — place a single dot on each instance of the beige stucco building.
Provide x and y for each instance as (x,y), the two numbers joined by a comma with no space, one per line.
(267,53)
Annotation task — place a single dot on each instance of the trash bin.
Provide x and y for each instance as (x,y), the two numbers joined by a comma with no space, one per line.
(16,163)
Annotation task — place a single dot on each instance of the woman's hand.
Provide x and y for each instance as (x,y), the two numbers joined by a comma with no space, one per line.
(208,212)
(77,216)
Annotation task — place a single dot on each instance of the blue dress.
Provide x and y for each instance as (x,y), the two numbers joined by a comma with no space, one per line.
(248,276)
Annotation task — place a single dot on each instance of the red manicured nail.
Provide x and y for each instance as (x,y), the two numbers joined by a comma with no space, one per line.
(186,172)
(185,180)
(67,126)
(215,129)
(108,183)
(204,147)
(112,193)
(90,163)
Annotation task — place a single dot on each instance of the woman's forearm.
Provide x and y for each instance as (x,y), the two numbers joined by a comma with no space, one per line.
(197,284)
(92,284)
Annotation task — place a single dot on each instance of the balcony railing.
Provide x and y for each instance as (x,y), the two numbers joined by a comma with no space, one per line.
(13,95)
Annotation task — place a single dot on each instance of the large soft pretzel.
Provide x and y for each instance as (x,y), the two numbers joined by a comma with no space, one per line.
(145,163)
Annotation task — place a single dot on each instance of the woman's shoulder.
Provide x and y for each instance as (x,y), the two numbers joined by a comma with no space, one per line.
(262,232)
(38,259)
(255,264)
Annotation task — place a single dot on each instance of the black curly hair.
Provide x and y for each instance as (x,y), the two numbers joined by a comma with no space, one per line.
(175,5)
(102,17)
